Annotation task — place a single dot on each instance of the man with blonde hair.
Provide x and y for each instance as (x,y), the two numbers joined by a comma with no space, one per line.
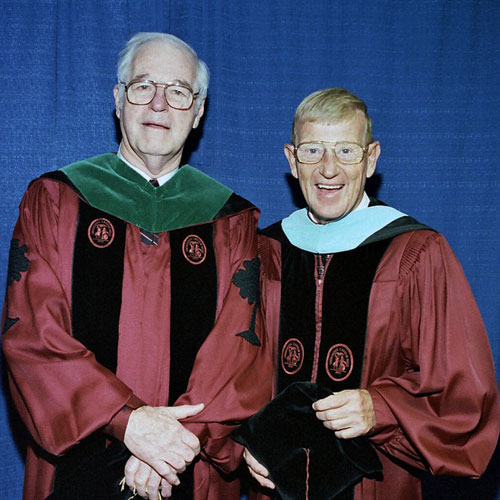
(369,316)
(130,315)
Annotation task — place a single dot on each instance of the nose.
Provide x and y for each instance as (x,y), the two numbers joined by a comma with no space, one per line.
(159,102)
(329,165)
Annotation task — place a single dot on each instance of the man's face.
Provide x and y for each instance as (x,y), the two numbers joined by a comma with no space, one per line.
(155,133)
(331,189)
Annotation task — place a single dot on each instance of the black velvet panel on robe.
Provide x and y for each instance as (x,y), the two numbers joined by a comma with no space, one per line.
(344,298)
(193,301)
(305,460)
(90,471)
(97,283)
(193,305)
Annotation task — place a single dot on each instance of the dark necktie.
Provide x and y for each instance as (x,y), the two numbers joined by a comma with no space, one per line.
(147,237)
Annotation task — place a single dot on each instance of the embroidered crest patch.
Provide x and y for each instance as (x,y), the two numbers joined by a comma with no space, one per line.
(101,233)
(194,249)
(292,356)
(339,362)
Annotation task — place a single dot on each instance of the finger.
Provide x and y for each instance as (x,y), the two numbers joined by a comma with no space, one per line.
(166,489)
(142,478)
(190,440)
(186,453)
(263,481)
(349,429)
(184,411)
(173,479)
(333,415)
(335,400)
(175,461)
(130,469)
(165,470)
(344,429)
(171,476)
(325,415)
(349,433)
(153,485)
(254,465)
(338,424)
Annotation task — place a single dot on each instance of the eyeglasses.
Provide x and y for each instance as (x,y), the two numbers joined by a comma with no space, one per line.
(143,92)
(348,153)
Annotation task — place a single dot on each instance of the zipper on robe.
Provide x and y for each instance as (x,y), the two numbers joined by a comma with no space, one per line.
(321,263)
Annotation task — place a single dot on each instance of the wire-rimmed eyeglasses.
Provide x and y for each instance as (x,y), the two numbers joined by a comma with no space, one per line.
(144,91)
(348,153)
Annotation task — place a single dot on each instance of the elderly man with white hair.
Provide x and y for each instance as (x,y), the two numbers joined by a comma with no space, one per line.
(132,288)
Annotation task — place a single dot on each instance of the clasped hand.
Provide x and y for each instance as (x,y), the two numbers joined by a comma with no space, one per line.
(161,448)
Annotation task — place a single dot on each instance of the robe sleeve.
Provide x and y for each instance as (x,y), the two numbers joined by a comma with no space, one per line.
(59,389)
(232,374)
(441,409)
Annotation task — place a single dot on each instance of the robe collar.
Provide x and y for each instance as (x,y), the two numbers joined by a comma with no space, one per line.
(190,197)
(338,236)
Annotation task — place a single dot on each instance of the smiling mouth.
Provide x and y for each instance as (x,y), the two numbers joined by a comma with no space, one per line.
(329,187)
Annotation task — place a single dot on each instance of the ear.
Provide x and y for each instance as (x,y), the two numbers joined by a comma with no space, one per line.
(116,93)
(199,114)
(288,150)
(373,154)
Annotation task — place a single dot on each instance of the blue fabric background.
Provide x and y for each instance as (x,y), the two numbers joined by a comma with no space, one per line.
(428,70)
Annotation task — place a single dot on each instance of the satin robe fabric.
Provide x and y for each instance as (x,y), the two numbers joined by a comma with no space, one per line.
(63,394)
(427,365)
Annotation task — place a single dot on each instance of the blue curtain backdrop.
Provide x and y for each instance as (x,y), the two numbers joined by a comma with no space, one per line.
(428,69)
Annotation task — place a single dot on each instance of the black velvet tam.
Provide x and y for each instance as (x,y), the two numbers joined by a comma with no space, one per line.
(304,458)
(93,475)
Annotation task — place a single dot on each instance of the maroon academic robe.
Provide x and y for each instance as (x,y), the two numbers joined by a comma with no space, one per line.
(427,364)
(63,394)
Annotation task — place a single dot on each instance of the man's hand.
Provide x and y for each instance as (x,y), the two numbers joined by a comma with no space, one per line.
(349,413)
(155,437)
(257,470)
(146,482)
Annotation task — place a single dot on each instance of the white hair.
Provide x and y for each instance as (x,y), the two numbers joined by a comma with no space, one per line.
(138,40)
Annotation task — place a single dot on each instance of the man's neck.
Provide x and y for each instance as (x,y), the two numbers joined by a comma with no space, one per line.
(153,166)
(161,178)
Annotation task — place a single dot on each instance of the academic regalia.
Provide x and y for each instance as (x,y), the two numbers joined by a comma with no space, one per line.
(380,302)
(159,283)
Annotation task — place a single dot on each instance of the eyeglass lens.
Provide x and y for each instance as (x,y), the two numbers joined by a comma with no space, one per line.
(144,92)
(346,152)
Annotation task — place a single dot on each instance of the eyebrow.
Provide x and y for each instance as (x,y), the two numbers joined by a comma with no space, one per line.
(146,76)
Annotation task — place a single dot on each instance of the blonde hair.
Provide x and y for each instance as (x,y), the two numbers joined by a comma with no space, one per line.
(331,106)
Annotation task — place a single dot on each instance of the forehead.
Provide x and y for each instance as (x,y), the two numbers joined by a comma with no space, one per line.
(164,62)
(352,129)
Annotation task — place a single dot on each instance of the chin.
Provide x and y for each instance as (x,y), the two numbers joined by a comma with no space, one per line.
(321,218)
(326,216)
(327,220)
(156,151)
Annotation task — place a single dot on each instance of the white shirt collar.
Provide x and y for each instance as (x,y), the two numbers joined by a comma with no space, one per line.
(365,201)
(161,180)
